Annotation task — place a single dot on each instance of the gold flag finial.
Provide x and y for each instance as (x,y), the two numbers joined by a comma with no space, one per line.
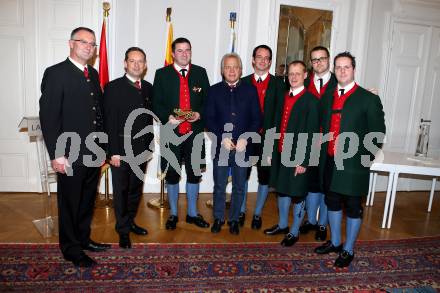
(168,14)
(106,7)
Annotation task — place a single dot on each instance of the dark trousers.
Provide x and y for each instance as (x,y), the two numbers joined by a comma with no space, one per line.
(76,199)
(221,174)
(336,201)
(183,156)
(127,192)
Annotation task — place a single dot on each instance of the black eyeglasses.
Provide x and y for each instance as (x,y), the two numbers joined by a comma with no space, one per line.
(321,59)
(85,43)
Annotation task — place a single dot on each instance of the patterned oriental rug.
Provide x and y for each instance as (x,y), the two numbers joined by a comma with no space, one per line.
(412,265)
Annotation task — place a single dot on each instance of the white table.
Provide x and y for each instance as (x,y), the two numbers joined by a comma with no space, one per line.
(395,164)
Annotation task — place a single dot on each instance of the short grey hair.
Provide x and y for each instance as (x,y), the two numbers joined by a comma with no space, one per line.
(231,55)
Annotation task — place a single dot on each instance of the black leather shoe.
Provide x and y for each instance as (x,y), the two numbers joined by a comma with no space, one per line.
(327,248)
(96,247)
(289,240)
(241,219)
(124,241)
(171,222)
(138,230)
(198,221)
(306,227)
(217,226)
(274,230)
(84,261)
(233,229)
(256,222)
(344,259)
(321,233)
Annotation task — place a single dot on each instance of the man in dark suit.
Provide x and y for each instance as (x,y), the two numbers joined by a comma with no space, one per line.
(297,114)
(71,102)
(320,81)
(181,85)
(349,109)
(233,106)
(121,97)
(269,88)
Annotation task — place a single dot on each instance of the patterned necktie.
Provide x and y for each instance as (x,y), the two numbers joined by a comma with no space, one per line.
(86,72)
(183,71)
(137,84)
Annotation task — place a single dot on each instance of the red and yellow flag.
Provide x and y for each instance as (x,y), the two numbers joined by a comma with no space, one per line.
(168,50)
(103,64)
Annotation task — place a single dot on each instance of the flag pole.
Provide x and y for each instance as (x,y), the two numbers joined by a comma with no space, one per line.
(232,19)
(159,203)
(103,79)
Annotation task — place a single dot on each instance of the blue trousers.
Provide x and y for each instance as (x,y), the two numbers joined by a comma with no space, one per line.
(221,174)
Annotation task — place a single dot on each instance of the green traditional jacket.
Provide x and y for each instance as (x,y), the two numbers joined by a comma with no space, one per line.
(275,90)
(362,113)
(166,92)
(315,185)
(304,118)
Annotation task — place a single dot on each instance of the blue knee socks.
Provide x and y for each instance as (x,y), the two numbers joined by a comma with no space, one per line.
(352,231)
(283,211)
(298,216)
(263,190)
(192,192)
(243,205)
(323,212)
(335,220)
(312,202)
(173,196)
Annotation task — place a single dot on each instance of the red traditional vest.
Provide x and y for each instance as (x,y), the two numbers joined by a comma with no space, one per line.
(312,88)
(261,89)
(184,100)
(335,121)
(289,102)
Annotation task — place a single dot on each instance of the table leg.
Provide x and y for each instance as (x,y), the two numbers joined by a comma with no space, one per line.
(373,189)
(387,199)
(370,182)
(431,195)
(393,199)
